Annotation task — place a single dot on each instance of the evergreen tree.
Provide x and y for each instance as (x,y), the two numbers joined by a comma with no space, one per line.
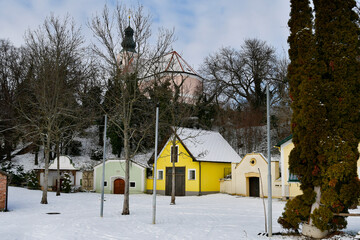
(301,52)
(324,79)
(337,37)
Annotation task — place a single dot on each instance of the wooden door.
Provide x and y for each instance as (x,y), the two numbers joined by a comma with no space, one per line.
(179,181)
(254,187)
(119,186)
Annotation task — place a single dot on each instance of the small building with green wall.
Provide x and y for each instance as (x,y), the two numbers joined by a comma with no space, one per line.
(115,177)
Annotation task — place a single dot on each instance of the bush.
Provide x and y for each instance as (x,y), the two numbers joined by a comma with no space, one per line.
(66,183)
(19,177)
(297,210)
(32,180)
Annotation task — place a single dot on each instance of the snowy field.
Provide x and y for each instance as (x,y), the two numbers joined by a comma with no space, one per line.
(217,216)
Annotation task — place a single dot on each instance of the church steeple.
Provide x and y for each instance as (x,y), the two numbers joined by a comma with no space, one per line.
(128,42)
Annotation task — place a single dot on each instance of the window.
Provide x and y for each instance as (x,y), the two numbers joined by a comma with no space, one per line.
(252,162)
(174,153)
(160,175)
(132,184)
(292,177)
(192,174)
(105,183)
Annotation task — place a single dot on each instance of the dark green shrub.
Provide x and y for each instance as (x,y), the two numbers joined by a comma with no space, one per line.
(66,183)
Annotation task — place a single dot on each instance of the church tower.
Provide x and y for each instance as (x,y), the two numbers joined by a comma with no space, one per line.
(128,52)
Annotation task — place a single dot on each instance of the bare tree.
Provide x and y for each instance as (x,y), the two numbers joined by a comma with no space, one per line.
(240,76)
(11,74)
(237,80)
(49,91)
(125,66)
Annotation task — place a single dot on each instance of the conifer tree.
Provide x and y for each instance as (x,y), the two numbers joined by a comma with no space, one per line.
(337,37)
(301,52)
(324,79)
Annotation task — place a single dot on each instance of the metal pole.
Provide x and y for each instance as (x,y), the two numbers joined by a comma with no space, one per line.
(103,172)
(155,164)
(269,162)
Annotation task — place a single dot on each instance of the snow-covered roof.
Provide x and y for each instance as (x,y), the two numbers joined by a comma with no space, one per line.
(65,164)
(207,146)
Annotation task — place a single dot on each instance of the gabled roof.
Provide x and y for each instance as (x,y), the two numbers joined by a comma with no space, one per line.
(284,141)
(206,146)
(65,164)
(109,160)
(171,62)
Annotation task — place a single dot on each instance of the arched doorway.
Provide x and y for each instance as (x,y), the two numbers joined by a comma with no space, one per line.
(119,186)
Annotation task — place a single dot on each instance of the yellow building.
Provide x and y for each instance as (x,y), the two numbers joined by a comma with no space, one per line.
(289,182)
(201,159)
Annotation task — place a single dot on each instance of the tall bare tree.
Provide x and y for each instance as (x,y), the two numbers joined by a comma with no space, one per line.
(11,73)
(237,79)
(49,92)
(240,76)
(123,46)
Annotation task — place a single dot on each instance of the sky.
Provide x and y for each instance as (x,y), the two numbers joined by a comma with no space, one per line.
(202,27)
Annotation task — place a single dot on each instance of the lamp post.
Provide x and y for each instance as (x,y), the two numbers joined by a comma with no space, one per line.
(103,172)
(269,162)
(155,163)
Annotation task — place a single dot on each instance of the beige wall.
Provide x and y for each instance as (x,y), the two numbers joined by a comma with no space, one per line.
(240,172)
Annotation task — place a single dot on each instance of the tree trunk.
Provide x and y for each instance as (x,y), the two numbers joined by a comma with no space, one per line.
(8,150)
(316,204)
(37,155)
(58,168)
(126,209)
(46,172)
(173,185)
(172,158)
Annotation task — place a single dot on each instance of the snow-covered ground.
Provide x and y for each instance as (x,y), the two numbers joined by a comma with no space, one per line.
(217,216)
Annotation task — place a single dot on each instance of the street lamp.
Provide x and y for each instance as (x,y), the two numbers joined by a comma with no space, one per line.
(269,161)
(155,161)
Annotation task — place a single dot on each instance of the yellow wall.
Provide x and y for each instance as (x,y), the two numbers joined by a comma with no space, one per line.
(293,189)
(211,172)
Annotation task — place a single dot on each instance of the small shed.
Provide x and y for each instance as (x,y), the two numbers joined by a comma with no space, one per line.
(66,166)
(4,183)
(250,176)
(114,179)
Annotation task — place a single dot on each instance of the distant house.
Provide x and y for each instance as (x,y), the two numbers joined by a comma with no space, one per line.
(66,166)
(201,159)
(249,177)
(290,183)
(4,183)
(115,177)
